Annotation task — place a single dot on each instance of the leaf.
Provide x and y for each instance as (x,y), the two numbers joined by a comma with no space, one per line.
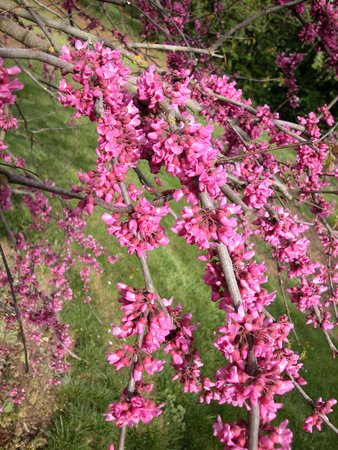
(329,160)
(318,61)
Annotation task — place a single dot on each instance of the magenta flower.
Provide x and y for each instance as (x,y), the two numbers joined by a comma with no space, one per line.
(321,409)
(150,89)
(131,412)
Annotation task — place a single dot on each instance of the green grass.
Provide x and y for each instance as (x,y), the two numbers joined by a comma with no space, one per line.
(87,390)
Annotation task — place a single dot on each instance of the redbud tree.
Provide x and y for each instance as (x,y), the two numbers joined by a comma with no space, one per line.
(189,119)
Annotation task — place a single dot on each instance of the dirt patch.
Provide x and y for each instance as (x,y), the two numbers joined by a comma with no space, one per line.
(21,424)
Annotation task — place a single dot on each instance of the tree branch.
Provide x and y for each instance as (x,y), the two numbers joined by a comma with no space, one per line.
(39,20)
(251,363)
(16,308)
(226,263)
(150,288)
(234,197)
(174,48)
(309,400)
(7,228)
(253,413)
(65,193)
(25,53)
(64,27)
(28,38)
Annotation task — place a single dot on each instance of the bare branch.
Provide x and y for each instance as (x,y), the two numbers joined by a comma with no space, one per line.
(309,400)
(39,20)
(253,413)
(25,53)
(64,27)
(16,307)
(144,180)
(7,228)
(66,194)
(48,9)
(174,48)
(20,34)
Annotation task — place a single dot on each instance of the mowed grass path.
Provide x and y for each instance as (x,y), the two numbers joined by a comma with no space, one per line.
(86,391)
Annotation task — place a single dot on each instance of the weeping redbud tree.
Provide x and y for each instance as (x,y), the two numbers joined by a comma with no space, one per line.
(189,119)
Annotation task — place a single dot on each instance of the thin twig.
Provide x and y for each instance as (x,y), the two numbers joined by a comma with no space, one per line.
(144,180)
(174,48)
(36,81)
(309,400)
(7,228)
(32,183)
(288,312)
(16,308)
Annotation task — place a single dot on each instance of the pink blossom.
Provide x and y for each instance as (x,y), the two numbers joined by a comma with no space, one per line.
(131,412)
(149,87)
(321,409)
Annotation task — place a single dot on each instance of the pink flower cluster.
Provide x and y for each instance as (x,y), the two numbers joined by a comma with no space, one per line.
(186,153)
(7,86)
(103,98)
(185,359)
(141,231)
(233,384)
(150,88)
(152,327)
(321,409)
(39,269)
(101,73)
(199,226)
(41,302)
(322,28)
(130,412)
(288,65)
(235,435)
(179,92)
(256,194)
